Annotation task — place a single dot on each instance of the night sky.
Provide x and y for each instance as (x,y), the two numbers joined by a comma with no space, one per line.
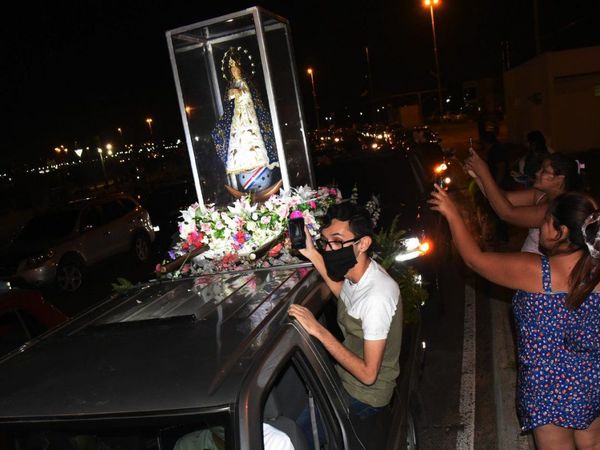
(75,70)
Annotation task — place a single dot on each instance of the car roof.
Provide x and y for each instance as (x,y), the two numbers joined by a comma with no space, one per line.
(99,198)
(162,346)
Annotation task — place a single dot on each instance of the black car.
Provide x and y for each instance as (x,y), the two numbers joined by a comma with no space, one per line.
(208,355)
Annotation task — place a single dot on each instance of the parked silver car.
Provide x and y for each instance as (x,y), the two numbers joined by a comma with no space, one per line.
(56,246)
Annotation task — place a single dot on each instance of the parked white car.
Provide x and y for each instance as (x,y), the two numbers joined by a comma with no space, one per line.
(58,245)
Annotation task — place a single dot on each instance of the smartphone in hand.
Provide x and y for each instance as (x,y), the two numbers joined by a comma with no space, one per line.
(297,234)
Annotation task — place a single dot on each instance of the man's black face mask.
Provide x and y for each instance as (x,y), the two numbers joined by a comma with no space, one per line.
(339,262)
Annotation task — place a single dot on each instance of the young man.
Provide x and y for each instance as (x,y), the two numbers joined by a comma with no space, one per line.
(369,313)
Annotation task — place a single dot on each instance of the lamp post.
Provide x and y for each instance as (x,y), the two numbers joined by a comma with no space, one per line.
(430,4)
(149,122)
(103,168)
(314,94)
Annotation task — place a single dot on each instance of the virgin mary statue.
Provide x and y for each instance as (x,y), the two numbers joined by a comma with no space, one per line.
(243,136)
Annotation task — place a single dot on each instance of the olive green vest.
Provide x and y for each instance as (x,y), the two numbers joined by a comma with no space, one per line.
(379,393)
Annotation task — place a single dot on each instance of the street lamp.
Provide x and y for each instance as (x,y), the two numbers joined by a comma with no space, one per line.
(314,94)
(430,4)
(149,122)
(103,168)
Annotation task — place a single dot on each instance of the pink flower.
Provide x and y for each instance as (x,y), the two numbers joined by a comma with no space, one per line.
(195,239)
(229,260)
(265,220)
(296,214)
(240,237)
(312,204)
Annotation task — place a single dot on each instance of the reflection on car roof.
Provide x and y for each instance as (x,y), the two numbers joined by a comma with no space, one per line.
(162,346)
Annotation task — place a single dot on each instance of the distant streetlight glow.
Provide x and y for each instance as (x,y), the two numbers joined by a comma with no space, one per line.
(430,4)
(314,94)
(188,110)
(149,122)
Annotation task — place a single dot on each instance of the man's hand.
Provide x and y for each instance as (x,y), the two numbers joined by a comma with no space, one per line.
(306,319)
(310,250)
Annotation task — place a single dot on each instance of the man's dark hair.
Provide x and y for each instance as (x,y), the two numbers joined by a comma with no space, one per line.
(359,219)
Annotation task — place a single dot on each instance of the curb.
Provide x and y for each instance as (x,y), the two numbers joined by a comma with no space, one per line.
(510,436)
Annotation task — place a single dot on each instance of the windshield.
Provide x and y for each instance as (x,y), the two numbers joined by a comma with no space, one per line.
(55,224)
(209,431)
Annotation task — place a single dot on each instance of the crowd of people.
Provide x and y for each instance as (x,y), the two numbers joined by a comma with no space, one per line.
(556,278)
(556,304)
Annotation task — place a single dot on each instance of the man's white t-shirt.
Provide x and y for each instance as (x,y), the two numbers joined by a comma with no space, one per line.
(373,300)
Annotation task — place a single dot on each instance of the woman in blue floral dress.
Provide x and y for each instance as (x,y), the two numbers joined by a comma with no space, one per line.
(557,313)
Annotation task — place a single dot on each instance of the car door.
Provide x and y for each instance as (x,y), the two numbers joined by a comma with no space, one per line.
(119,224)
(294,382)
(96,240)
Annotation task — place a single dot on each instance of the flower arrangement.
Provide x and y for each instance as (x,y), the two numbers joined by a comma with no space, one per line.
(245,234)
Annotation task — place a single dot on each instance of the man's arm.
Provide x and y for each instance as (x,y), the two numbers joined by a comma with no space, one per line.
(364,370)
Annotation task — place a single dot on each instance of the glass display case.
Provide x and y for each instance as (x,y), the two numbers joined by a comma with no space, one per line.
(239,99)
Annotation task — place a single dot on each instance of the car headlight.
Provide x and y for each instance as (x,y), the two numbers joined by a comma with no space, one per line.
(39,259)
(412,248)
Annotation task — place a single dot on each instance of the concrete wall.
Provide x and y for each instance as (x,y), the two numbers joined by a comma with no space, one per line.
(558,94)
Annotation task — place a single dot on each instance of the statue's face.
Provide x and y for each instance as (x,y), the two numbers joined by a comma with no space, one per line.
(236,73)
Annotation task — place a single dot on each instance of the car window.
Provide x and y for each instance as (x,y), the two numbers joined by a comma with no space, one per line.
(91,217)
(128,204)
(12,332)
(296,406)
(205,431)
(113,210)
(55,224)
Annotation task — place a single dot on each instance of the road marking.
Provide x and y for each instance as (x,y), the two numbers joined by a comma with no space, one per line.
(465,437)
(505,379)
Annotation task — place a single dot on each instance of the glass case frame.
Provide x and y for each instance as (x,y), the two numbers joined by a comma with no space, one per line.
(205,42)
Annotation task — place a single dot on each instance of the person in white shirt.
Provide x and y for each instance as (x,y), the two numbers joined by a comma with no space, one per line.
(369,309)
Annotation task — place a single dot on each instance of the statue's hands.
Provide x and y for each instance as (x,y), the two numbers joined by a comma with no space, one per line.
(234,92)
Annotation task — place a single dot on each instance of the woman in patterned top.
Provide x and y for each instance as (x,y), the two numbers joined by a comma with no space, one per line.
(557,313)
(527,207)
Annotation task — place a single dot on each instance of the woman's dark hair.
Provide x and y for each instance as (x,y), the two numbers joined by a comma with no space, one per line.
(571,209)
(360,220)
(536,140)
(569,168)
